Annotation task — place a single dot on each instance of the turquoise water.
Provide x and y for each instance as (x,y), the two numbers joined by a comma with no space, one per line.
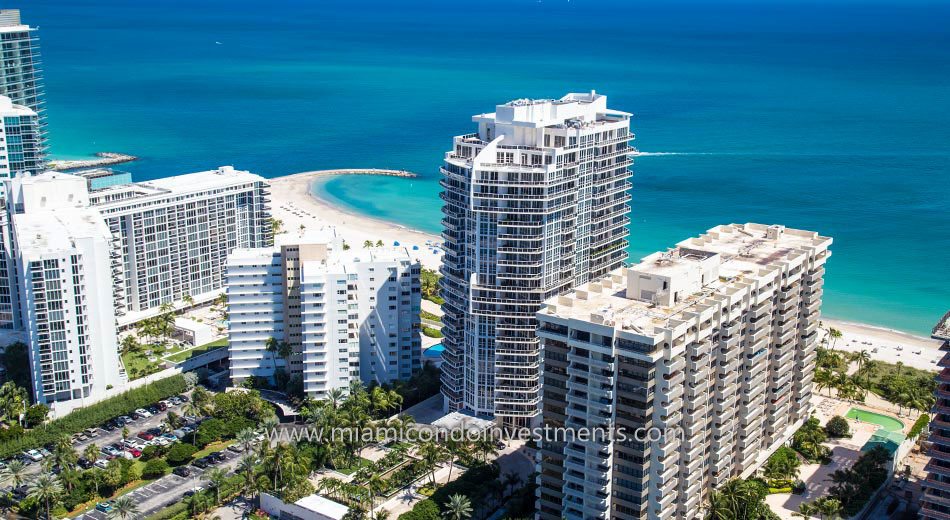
(434,351)
(826,116)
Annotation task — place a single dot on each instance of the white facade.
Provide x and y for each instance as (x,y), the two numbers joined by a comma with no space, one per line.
(21,144)
(346,315)
(535,202)
(66,304)
(713,342)
(21,75)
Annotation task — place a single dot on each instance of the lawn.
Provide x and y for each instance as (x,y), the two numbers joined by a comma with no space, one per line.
(197,351)
(360,463)
(211,448)
(137,364)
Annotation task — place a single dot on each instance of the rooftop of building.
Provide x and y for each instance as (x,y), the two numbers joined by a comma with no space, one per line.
(324,506)
(574,109)
(41,233)
(726,256)
(8,108)
(10,21)
(184,183)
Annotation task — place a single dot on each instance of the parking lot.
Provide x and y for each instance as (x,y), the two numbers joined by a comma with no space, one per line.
(105,438)
(169,489)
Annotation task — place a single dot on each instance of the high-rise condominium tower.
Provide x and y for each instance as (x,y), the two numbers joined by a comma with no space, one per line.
(21,143)
(20,77)
(535,202)
(707,350)
(935,501)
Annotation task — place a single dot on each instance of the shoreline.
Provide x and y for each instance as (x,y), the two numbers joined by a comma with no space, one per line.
(294,193)
(293,202)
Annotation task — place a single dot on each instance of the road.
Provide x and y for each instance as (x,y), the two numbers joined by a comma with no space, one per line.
(168,490)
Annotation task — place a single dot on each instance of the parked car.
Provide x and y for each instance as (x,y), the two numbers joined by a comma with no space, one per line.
(161,441)
(162,405)
(236,448)
(179,433)
(111,450)
(143,412)
(125,419)
(170,437)
(201,463)
(134,452)
(182,471)
(91,432)
(217,457)
(187,429)
(105,507)
(183,398)
(145,436)
(155,431)
(33,455)
(175,401)
(84,463)
(44,452)
(101,463)
(153,409)
(192,491)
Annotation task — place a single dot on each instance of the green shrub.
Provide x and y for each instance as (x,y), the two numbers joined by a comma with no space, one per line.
(425,510)
(177,511)
(431,332)
(918,426)
(94,415)
(181,453)
(155,468)
(838,427)
(210,431)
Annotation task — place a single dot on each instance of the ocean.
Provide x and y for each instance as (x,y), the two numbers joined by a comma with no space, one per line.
(829,116)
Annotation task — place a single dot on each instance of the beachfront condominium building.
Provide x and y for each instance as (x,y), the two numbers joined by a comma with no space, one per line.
(21,144)
(20,77)
(935,501)
(535,202)
(173,234)
(340,315)
(698,360)
(176,233)
(66,302)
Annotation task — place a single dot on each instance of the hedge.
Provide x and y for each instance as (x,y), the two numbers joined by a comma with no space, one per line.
(918,426)
(94,415)
(177,511)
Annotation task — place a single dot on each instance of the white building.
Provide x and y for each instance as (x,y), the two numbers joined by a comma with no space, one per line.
(713,342)
(312,507)
(66,302)
(21,75)
(125,250)
(535,202)
(21,143)
(344,315)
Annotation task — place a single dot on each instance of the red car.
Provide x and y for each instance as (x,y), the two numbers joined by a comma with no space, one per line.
(146,436)
(135,453)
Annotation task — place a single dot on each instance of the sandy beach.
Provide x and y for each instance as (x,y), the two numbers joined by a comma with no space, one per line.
(293,203)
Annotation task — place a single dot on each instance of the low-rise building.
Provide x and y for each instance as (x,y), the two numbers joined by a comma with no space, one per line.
(689,368)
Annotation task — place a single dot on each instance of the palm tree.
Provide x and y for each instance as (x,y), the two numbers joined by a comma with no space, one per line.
(379,243)
(862,358)
(187,298)
(805,510)
(273,346)
(511,480)
(431,454)
(829,508)
(382,514)
(124,508)
(91,452)
(129,343)
(335,397)
(459,507)
(15,472)
(376,485)
(245,438)
(46,489)
(246,467)
(216,477)
(367,243)
(834,334)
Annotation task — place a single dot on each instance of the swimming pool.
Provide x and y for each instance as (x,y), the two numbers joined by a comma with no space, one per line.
(884,421)
(434,351)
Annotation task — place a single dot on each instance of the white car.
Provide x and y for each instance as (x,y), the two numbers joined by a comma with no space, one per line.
(143,412)
(161,441)
(33,455)
(102,463)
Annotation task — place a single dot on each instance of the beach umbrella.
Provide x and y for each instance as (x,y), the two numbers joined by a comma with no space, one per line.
(395,243)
